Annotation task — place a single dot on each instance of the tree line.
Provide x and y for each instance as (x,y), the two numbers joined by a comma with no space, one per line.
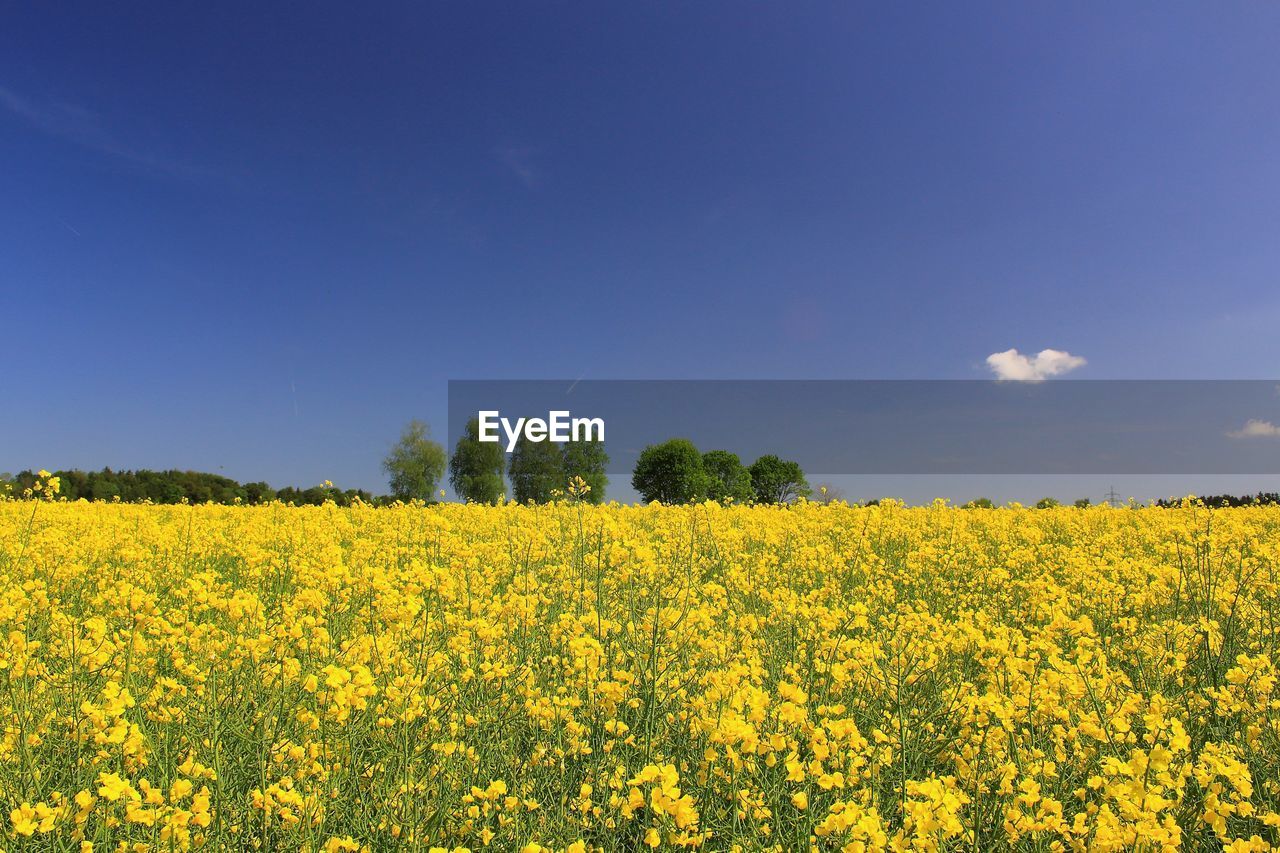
(1226,501)
(676,472)
(673,471)
(539,471)
(174,486)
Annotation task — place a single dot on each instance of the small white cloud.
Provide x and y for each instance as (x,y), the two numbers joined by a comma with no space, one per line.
(1012,364)
(1254,428)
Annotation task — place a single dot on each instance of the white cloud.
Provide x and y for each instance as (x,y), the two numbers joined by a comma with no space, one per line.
(1012,364)
(1254,428)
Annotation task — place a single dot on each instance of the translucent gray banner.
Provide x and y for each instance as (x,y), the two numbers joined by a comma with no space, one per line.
(910,426)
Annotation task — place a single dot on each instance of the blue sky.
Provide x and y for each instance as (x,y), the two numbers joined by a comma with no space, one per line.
(258,239)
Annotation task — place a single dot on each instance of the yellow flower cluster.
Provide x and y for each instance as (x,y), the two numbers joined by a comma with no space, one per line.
(46,486)
(584,678)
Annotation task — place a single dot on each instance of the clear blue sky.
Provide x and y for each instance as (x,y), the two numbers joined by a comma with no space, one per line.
(257,238)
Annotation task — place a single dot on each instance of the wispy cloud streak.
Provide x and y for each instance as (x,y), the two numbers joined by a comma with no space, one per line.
(84,127)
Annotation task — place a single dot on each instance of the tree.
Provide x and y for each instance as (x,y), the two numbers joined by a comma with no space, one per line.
(415,464)
(727,477)
(587,459)
(537,469)
(670,472)
(777,481)
(1083,503)
(475,471)
(979,503)
(259,493)
(104,489)
(1047,503)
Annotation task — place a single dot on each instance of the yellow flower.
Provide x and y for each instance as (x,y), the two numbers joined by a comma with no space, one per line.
(113,788)
(23,819)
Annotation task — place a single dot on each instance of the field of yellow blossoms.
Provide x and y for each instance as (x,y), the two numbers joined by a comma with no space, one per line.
(571,677)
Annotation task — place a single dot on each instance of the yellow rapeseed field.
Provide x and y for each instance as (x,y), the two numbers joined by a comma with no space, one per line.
(605,678)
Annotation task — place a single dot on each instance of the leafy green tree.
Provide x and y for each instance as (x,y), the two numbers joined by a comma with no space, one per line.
(475,471)
(979,503)
(1083,503)
(670,472)
(259,493)
(777,480)
(588,460)
(105,489)
(415,464)
(537,469)
(75,485)
(315,495)
(290,496)
(1047,503)
(727,477)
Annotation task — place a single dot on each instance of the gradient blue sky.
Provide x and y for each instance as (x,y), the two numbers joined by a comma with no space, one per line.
(257,238)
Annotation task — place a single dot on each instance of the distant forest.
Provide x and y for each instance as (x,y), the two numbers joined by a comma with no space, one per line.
(1221,501)
(171,487)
